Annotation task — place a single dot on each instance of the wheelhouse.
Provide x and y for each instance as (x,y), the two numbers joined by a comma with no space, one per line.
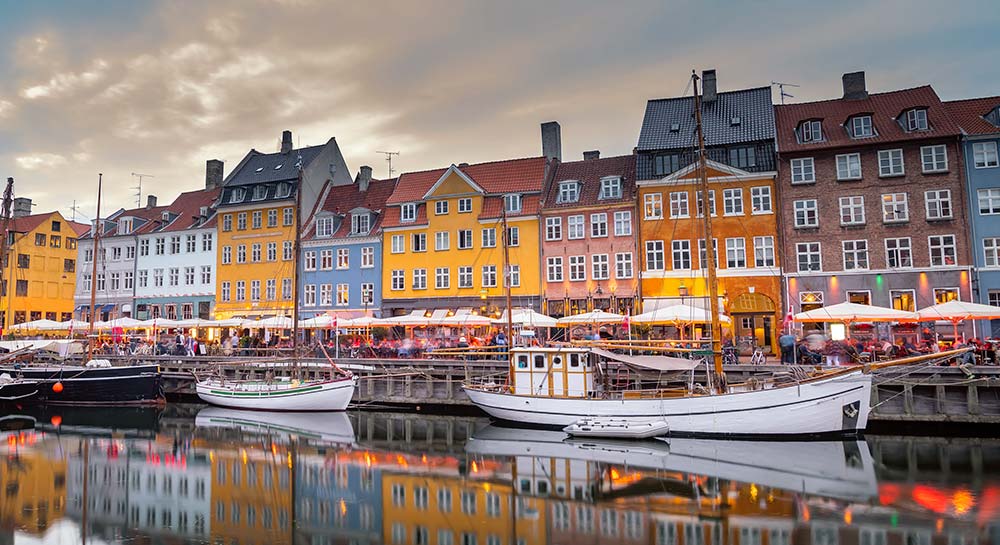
(553,371)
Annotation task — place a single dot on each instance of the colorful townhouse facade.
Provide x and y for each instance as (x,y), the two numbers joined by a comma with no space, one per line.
(338,499)
(979,119)
(342,250)
(39,269)
(589,249)
(873,195)
(256,215)
(739,141)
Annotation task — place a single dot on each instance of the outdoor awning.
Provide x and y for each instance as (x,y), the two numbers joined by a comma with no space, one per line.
(439,315)
(853,312)
(652,363)
(108,307)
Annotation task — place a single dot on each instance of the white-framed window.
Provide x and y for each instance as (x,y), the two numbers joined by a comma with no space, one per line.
(934,158)
(283,190)
(227,222)
(654,255)
(343,258)
(271,289)
(309,291)
(574,227)
(803,170)
(855,255)
(681,254)
(984,155)
(577,268)
(442,241)
(811,131)
(991,252)
(732,202)
(599,267)
(157,279)
(806,213)
(287,216)
(938,202)
(890,162)
(143,279)
(398,280)
(309,261)
(513,236)
(442,278)
(553,228)
(894,208)
(241,253)
(852,210)
(188,276)
(397,244)
(408,212)
(418,243)
(257,219)
(367,257)
(679,205)
(226,291)
(206,242)
(760,200)
(286,288)
(599,225)
(763,251)
(464,239)
(512,203)
(623,223)
(227,255)
(898,253)
(652,206)
(700,204)
(989,201)
(419,279)
(916,119)
(861,126)
(160,245)
(465,277)
(623,265)
(942,250)
(440,208)
(849,166)
(324,226)
(465,205)
(241,221)
(343,295)
(259,193)
(361,223)
(326,294)
(554,269)
(241,290)
(736,253)
(175,246)
(903,300)
(611,188)
(568,192)
(703,257)
(489,237)
(255,252)
(808,256)
(489,276)
(237,195)
(515,276)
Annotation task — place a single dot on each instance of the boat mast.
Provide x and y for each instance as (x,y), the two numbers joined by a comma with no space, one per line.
(96,236)
(507,279)
(713,281)
(297,247)
(8,196)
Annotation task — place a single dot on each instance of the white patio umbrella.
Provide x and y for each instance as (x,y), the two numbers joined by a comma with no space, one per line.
(124,322)
(35,325)
(957,311)
(75,325)
(365,321)
(465,320)
(528,318)
(414,318)
(854,312)
(274,322)
(677,314)
(159,323)
(322,321)
(593,317)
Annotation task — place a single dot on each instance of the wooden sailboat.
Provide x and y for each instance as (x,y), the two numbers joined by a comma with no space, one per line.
(561,386)
(284,393)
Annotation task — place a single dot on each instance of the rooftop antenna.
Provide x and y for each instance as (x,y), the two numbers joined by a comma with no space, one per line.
(138,188)
(388,159)
(781,89)
(74,209)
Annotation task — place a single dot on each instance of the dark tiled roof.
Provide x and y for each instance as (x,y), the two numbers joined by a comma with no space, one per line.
(341,199)
(149,217)
(589,173)
(187,207)
(752,106)
(260,167)
(970,114)
(884,108)
(497,177)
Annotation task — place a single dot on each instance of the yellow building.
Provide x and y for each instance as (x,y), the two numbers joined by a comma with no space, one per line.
(256,225)
(251,497)
(442,243)
(39,271)
(34,489)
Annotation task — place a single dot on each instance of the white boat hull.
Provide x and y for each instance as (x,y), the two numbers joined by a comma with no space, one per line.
(324,428)
(281,396)
(836,405)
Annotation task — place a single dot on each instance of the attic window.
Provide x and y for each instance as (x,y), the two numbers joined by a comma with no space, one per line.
(568,192)
(512,203)
(611,188)
(237,195)
(165,216)
(324,226)
(861,126)
(916,119)
(675,127)
(408,212)
(811,131)
(284,190)
(259,169)
(260,192)
(735,121)
(278,166)
(361,223)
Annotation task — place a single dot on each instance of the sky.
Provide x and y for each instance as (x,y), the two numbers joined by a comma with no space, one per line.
(157,88)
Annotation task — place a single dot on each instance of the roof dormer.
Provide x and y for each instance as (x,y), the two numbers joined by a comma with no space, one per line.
(237,194)
(914,119)
(361,222)
(810,130)
(569,191)
(860,126)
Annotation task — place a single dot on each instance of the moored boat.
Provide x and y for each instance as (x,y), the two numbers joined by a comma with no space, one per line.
(17,391)
(618,428)
(279,394)
(92,385)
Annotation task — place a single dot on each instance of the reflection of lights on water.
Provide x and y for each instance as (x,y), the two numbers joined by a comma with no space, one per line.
(753,492)
(289,460)
(614,474)
(243,455)
(963,501)
(805,513)
(939,525)
(343,507)
(848,517)
(475,467)
(211,456)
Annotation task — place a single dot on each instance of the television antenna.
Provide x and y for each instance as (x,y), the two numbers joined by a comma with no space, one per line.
(388,159)
(781,89)
(75,208)
(138,188)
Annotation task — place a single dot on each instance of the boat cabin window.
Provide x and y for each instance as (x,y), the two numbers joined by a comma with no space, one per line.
(574,360)
(557,361)
(539,361)
(543,488)
(522,362)
(525,486)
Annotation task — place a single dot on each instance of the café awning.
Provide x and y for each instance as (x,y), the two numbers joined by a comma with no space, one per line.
(854,312)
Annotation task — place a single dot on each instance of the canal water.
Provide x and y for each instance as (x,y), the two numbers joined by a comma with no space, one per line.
(193,474)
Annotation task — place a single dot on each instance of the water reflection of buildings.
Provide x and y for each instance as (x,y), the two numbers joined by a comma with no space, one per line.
(32,484)
(251,495)
(338,498)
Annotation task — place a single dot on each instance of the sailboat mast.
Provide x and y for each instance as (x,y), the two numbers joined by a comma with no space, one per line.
(96,236)
(8,196)
(297,247)
(507,278)
(710,265)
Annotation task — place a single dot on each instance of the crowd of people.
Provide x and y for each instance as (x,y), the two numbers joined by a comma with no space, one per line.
(815,349)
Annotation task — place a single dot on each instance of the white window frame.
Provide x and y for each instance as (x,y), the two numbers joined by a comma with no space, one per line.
(679,206)
(465,239)
(361,223)
(489,237)
(990,196)
(732,201)
(851,248)
(680,255)
(803,170)
(575,227)
(442,278)
(889,206)
(887,163)
(811,130)
(367,257)
(611,188)
(553,228)
(763,251)
(984,155)
(569,191)
(862,127)
(736,251)
(991,252)
(623,223)
(408,212)
(805,206)
(441,208)
(653,206)
(655,255)
(489,276)
(554,269)
(599,225)
(916,120)
(465,277)
(420,279)
(940,243)
(852,210)
(849,166)
(442,241)
(577,268)
(760,200)
(512,203)
(465,205)
(397,244)
(600,267)
(397,280)
(806,248)
(938,205)
(934,158)
(894,246)
(623,265)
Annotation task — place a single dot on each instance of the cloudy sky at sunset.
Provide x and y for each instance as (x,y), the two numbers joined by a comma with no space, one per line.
(159,87)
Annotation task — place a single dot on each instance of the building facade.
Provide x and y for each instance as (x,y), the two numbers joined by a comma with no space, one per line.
(873,197)
(589,237)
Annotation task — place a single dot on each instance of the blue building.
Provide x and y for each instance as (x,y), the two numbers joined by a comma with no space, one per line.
(338,500)
(341,267)
(980,122)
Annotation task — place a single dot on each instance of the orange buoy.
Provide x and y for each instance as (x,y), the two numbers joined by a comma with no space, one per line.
(57,387)
(56,420)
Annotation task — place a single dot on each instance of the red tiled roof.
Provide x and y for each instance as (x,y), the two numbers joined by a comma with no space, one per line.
(589,173)
(391,216)
(884,109)
(342,199)
(969,114)
(497,177)
(493,207)
(26,224)
(78,228)
(187,207)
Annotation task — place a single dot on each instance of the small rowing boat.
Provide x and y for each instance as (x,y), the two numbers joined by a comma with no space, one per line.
(619,428)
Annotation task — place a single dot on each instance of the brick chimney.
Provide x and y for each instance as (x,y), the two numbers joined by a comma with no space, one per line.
(213,173)
(591,155)
(150,201)
(552,140)
(21,206)
(286,141)
(364,178)
(709,88)
(854,86)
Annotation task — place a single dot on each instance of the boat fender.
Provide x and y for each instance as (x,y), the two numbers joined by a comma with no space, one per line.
(295,383)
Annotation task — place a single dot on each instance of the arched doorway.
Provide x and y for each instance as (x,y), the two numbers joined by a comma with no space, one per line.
(753,316)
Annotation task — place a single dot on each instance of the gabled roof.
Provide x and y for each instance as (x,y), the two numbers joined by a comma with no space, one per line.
(590,173)
(885,108)
(259,167)
(497,177)
(187,207)
(341,199)
(970,114)
(150,214)
(493,207)
(26,224)
(752,106)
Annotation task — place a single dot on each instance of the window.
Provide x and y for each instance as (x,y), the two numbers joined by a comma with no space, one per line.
(803,171)
(489,237)
(679,204)
(732,202)
(324,226)
(286,250)
(938,204)
(942,250)
(367,257)
(894,209)
(681,252)
(513,236)
(206,274)
(736,253)
(241,221)
(623,265)
(553,228)
(398,244)
(665,164)
(744,157)
(515,276)
(143,278)
(577,268)
(440,208)
(157,278)
(259,192)
(855,255)
(287,215)
(343,294)
(237,195)
(468,499)
(116,252)
(465,277)
(398,280)
(367,293)
(255,255)
(40,239)
(189,276)
(849,166)
(286,288)
(611,188)
(943,295)
(512,203)
(599,225)
(175,246)
(489,276)
(419,279)
(916,119)
(226,286)
(257,219)
(808,254)
(554,269)
(994,298)
(272,251)
(903,300)
(227,222)
(175,274)
(116,279)
(760,200)
(852,210)
(464,205)
(442,278)
(309,261)
(991,252)
(811,131)
(861,126)
(574,226)
(653,206)
(272,217)
(898,253)
(984,155)
(934,158)
(654,255)
(206,242)
(703,257)
(144,247)
(623,223)
(763,251)
(568,192)
(890,162)
(408,212)
(360,223)
(101,284)
(419,242)
(599,267)
(255,290)
(989,201)
(343,258)
(700,206)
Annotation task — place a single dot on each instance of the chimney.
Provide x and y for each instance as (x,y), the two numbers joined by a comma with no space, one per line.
(708,86)
(590,155)
(854,86)
(364,178)
(286,141)
(213,173)
(150,201)
(21,207)
(552,140)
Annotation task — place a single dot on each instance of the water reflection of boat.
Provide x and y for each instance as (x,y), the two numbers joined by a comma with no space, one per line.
(835,469)
(326,427)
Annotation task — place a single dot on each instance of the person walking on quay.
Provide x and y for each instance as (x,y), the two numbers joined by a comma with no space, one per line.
(787,344)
